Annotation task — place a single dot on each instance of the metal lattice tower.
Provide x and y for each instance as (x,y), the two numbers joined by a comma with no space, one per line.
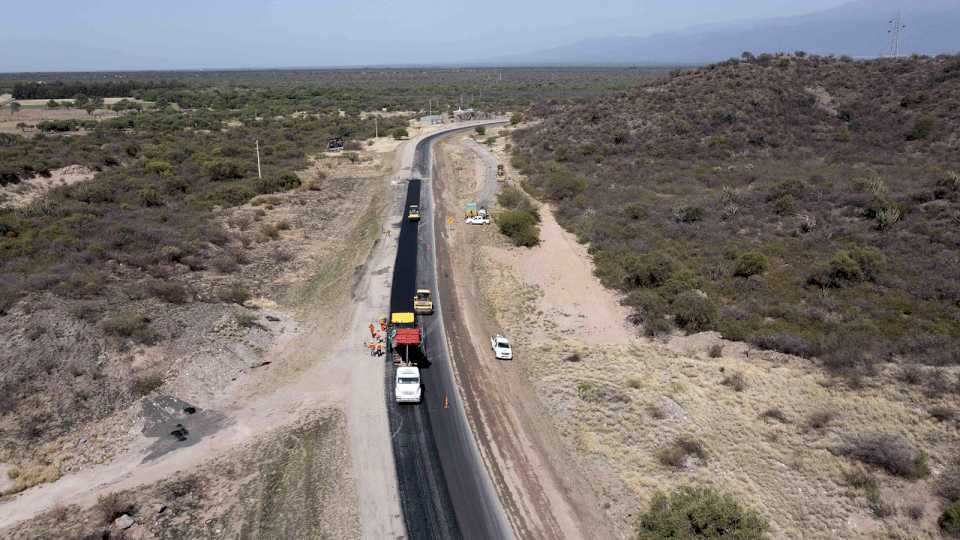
(896,27)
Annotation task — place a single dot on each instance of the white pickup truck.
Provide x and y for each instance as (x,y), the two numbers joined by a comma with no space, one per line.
(501,347)
(408,389)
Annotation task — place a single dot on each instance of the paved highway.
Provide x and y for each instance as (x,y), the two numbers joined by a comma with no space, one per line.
(445,491)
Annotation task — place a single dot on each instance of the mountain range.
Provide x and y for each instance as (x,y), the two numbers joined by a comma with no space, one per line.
(860,28)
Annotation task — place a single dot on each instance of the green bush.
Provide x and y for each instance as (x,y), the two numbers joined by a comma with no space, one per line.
(520,226)
(276,184)
(562,184)
(749,264)
(513,198)
(694,512)
(480,130)
(693,312)
(849,267)
(648,270)
(949,520)
(224,169)
(400,133)
(235,293)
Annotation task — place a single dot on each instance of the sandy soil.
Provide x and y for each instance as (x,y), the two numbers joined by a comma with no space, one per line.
(616,399)
(26,191)
(543,493)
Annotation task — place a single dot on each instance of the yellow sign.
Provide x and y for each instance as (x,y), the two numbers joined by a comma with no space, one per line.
(449,220)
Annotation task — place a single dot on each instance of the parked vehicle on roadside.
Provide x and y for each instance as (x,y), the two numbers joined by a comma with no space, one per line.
(477,220)
(408,388)
(501,347)
(413,213)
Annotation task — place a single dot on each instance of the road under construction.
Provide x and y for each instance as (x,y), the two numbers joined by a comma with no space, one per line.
(444,488)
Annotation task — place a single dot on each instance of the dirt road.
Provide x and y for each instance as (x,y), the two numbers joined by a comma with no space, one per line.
(542,490)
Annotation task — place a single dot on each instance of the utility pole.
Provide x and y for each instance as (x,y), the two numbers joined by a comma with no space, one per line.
(258,159)
(376,128)
(896,26)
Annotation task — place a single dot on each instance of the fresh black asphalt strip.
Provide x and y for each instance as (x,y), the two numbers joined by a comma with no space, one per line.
(444,488)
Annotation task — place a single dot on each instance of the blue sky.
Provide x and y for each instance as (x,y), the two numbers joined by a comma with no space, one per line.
(64,35)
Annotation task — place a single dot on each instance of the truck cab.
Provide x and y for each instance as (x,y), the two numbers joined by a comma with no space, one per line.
(423,302)
(413,213)
(408,388)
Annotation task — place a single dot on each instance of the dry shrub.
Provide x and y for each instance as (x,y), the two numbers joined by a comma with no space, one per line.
(235,293)
(821,418)
(168,291)
(30,475)
(225,263)
(677,454)
(245,319)
(146,383)
(635,383)
(774,413)
(890,452)
(575,357)
(281,255)
(948,484)
(656,411)
(131,325)
(113,505)
(736,381)
(943,414)
(715,350)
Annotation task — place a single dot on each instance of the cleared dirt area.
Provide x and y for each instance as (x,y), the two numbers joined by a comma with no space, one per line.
(26,191)
(262,388)
(542,490)
(32,114)
(293,484)
(770,423)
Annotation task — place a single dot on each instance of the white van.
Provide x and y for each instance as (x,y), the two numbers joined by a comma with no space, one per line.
(408,388)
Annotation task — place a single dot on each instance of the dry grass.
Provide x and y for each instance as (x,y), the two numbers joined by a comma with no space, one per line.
(779,467)
(30,475)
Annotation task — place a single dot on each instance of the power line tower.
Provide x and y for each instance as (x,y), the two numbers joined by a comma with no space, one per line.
(896,27)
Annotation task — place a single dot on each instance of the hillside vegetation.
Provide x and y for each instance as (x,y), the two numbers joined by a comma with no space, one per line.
(809,205)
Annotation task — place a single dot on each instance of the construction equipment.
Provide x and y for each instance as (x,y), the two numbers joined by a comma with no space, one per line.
(423,302)
(500,172)
(413,213)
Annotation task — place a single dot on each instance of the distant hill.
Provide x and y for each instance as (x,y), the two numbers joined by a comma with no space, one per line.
(858,29)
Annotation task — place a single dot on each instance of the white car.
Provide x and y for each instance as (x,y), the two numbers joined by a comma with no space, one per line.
(408,389)
(501,347)
(477,220)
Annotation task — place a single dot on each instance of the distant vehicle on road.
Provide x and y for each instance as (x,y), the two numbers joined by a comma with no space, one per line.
(501,347)
(413,213)
(408,389)
(423,302)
